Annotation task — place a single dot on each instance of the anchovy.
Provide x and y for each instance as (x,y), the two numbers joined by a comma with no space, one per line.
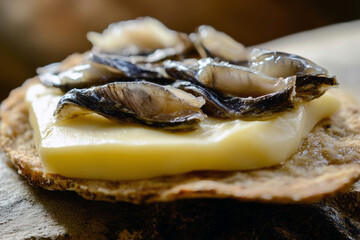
(225,106)
(215,44)
(143,102)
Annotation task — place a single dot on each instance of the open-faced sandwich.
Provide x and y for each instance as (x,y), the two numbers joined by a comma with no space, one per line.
(150,114)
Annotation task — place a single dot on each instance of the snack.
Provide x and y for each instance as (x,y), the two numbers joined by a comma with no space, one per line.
(324,163)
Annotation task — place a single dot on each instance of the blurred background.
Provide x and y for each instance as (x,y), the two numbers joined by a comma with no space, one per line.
(34,33)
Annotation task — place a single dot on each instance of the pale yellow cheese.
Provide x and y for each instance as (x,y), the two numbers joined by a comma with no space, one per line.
(93,147)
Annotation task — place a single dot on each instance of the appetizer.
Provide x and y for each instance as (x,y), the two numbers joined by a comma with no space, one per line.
(151,114)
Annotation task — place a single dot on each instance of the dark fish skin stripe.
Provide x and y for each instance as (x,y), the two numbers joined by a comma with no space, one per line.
(129,69)
(309,87)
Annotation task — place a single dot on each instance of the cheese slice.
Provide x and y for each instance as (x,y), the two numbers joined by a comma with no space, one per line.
(93,147)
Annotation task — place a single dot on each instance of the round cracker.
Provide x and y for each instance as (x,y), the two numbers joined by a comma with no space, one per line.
(326,162)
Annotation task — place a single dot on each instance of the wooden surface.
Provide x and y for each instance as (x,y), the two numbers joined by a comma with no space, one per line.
(30,213)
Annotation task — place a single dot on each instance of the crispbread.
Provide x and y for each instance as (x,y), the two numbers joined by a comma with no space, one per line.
(327,162)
